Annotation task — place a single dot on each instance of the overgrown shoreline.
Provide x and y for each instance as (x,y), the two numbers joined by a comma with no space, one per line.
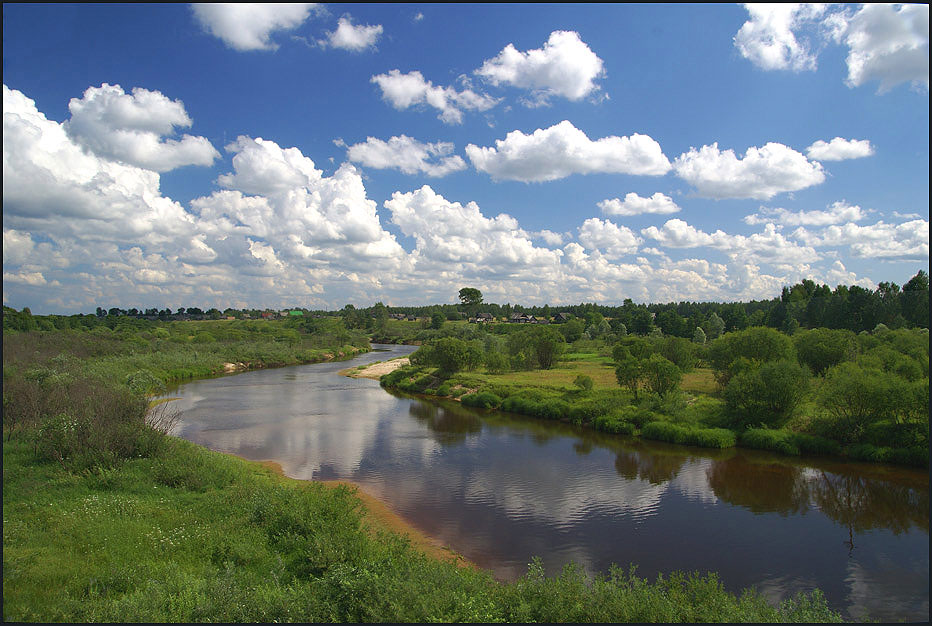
(866,401)
(108,519)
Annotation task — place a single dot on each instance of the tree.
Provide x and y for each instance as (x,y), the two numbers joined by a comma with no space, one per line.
(767,394)
(714,327)
(572,330)
(699,335)
(756,344)
(628,372)
(436,320)
(821,348)
(470,296)
(451,354)
(661,375)
(380,315)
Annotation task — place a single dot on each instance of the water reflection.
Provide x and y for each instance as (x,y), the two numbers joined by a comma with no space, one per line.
(760,487)
(654,468)
(502,488)
(451,424)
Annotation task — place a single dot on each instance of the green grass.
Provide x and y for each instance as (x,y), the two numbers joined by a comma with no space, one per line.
(200,536)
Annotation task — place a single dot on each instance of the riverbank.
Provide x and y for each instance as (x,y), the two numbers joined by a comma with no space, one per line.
(695,414)
(383,518)
(107,520)
(194,535)
(376,370)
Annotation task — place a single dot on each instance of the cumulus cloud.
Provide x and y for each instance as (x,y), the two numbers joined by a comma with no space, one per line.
(353,38)
(562,150)
(769,38)
(839,149)
(836,213)
(407,90)
(634,204)
(761,174)
(564,66)
(81,230)
(613,240)
(408,155)
(130,128)
(769,245)
(886,43)
(450,235)
(906,241)
(244,26)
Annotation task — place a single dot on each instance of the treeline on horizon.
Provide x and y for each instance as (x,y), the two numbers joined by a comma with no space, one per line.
(803,305)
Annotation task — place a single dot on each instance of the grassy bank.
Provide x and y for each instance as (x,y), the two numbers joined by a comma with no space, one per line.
(868,402)
(193,535)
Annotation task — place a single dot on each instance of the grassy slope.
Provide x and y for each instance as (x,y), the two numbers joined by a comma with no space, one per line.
(201,536)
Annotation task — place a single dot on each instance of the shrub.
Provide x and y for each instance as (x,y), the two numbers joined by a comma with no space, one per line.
(664,431)
(702,437)
(482,399)
(767,394)
(767,439)
(661,375)
(822,348)
(583,382)
(758,344)
(613,423)
(711,438)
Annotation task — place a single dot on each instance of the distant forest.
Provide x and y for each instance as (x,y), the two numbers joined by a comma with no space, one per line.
(803,305)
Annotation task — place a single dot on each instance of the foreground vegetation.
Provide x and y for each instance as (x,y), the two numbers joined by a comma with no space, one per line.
(106,518)
(191,535)
(820,391)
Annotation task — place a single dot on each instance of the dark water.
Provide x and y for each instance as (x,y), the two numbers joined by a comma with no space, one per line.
(501,489)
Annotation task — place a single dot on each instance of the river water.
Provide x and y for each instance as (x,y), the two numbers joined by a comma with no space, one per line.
(501,489)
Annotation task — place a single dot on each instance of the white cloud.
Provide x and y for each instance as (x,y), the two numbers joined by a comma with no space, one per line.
(837,213)
(406,90)
(634,204)
(770,245)
(454,237)
(762,173)
(615,241)
(906,241)
(115,125)
(408,155)
(354,38)
(887,43)
(563,150)
(81,231)
(839,149)
(549,237)
(564,66)
(244,26)
(769,38)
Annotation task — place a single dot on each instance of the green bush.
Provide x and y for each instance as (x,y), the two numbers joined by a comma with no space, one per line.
(664,431)
(613,423)
(766,439)
(683,435)
(757,344)
(767,394)
(483,399)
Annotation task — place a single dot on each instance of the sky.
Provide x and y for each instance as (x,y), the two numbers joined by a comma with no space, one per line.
(254,156)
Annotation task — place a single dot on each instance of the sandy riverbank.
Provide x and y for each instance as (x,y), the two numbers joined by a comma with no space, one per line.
(380,517)
(375,370)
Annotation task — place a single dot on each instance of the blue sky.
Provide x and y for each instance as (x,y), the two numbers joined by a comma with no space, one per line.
(318,155)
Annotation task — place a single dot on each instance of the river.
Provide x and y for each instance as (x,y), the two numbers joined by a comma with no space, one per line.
(501,489)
